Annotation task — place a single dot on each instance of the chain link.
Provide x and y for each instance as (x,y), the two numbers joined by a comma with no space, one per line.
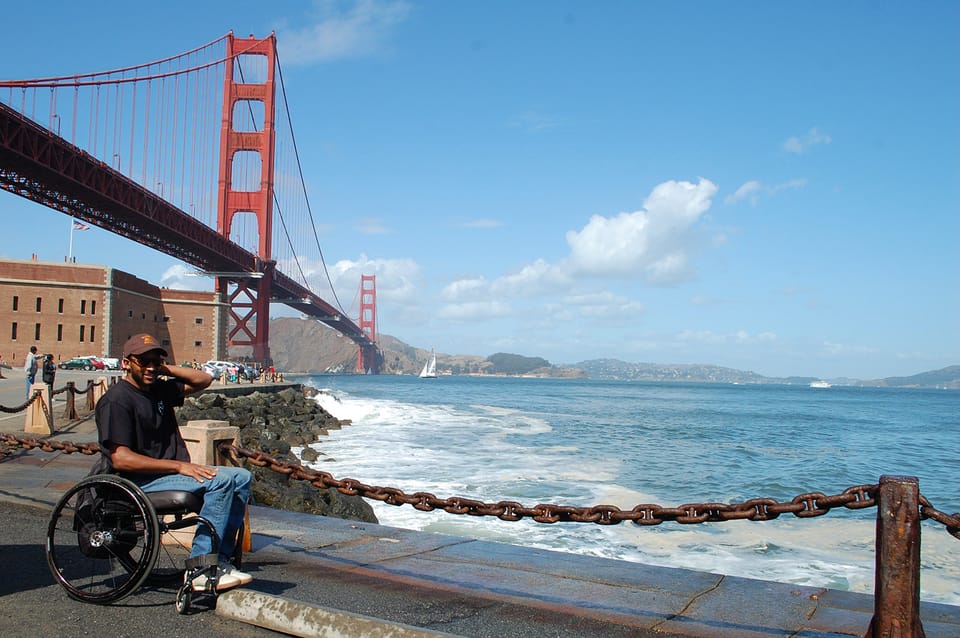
(806,505)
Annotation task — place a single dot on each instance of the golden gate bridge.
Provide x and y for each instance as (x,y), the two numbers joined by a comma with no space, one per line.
(195,156)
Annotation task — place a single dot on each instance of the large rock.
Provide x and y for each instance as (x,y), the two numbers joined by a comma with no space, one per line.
(273,423)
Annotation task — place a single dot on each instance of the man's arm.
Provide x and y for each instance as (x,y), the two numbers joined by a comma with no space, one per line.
(193,380)
(124,459)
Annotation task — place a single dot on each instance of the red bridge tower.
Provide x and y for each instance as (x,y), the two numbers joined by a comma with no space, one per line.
(249,295)
(368,358)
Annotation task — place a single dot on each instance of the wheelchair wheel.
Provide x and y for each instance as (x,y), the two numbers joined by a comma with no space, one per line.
(102,539)
(174,550)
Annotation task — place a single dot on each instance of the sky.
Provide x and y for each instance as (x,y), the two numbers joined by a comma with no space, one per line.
(766,186)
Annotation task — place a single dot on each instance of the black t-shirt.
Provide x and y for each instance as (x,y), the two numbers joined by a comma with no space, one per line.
(143,421)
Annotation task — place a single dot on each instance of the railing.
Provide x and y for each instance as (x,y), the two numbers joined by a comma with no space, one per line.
(39,405)
(900,509)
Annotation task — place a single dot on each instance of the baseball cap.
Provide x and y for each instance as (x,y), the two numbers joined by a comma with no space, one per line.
(140,343)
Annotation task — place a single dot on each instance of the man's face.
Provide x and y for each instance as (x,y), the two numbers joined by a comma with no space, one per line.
(144,368)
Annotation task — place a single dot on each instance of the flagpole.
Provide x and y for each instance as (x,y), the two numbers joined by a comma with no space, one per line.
(70,255)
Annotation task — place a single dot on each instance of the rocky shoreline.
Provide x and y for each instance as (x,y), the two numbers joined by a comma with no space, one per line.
(273,423)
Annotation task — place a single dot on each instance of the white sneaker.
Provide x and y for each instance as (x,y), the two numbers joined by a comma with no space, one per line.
(224,581)
(229,570)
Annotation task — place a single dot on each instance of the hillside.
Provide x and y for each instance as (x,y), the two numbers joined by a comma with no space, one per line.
(621,370)
(304,345)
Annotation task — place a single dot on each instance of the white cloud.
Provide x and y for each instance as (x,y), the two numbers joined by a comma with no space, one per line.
(800,182)
(465,289)
(482,223)
(708,337)
(753,189)
(371,226)
(537,278)
(342,30)
(800,145)
(397,279)
(603,305)
(747,190)
(182,277)
(475,310)
(652,243)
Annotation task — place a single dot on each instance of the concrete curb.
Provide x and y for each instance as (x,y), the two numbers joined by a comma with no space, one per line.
(300,619)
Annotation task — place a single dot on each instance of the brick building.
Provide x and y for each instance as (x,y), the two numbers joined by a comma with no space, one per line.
(70,310)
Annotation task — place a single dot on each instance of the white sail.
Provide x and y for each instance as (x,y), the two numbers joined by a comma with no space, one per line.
(430,367)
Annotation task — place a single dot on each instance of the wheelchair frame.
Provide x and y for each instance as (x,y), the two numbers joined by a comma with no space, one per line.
(107,537)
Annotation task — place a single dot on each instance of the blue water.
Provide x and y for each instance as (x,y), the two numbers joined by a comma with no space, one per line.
(586,442)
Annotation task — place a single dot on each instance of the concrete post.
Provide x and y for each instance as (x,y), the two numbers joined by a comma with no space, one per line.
(39,420)
(202,438)
(897,589)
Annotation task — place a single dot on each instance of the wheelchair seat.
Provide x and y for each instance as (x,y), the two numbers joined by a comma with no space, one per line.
(175,502)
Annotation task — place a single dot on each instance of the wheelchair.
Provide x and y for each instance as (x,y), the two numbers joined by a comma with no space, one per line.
(107,537)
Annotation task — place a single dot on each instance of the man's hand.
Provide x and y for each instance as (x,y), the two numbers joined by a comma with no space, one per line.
(199,472)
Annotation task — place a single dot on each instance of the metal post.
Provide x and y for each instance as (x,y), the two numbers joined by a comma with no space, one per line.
(896,611)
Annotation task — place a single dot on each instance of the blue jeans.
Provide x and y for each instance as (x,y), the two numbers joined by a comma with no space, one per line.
(30,380)
(224,503)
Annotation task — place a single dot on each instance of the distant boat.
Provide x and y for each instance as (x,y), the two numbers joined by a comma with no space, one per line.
(820,384)
(430,368)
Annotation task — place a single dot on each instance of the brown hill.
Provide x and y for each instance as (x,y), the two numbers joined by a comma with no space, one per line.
(305,345)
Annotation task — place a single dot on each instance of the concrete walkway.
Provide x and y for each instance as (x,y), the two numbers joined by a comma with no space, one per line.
(343,574)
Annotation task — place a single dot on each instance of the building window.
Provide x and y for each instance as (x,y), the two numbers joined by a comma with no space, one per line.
(39,303)
(93,306)
(196,344)
(13,331)
(91,333)
(83,306)
(166,318)
(36,332)
(82,330)
(60,306)
(130,314)
(198,321)
(16,302)
(143,316)
(59,332)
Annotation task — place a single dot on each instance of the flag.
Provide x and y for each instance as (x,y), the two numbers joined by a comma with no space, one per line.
(80,225)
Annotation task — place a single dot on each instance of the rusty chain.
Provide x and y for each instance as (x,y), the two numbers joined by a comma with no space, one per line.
(49,445)
(22,406)
(807,505)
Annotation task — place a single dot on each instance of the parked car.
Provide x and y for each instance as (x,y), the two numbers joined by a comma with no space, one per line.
(96,363)
(111,363)
(77,363)
(217,368)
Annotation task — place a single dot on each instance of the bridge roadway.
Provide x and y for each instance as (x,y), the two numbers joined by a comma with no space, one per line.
(397,582)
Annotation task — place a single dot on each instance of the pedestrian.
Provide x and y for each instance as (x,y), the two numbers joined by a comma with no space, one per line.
(30,368)
(140,440)
(49,371)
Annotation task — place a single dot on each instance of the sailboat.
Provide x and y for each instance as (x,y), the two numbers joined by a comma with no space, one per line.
(430,368)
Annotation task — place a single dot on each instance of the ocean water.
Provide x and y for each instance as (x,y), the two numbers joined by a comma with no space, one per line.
(587,442)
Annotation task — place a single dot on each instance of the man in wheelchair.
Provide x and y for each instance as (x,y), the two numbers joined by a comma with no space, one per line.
(141,441)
